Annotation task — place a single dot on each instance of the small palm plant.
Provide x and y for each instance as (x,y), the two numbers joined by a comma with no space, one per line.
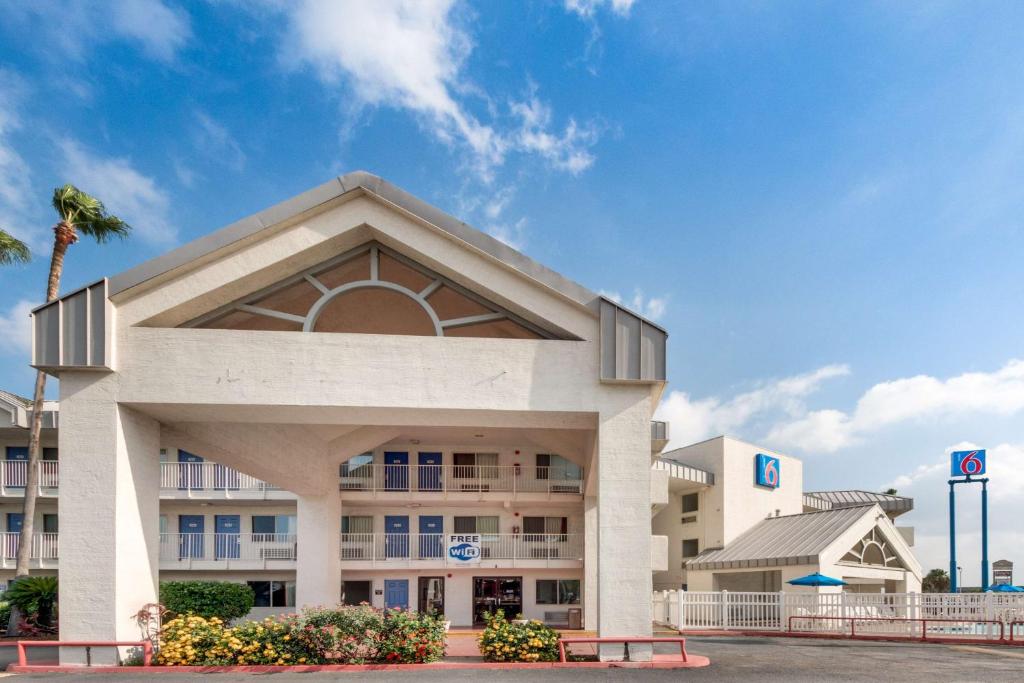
(12,250)
(77,213)
(35,595)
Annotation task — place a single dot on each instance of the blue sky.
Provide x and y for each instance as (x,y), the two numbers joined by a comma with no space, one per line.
(822,202)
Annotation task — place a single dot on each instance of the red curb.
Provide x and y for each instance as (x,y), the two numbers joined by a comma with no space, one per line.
(695,661)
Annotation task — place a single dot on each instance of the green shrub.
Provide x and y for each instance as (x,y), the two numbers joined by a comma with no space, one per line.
(36,597)
(222,599)
(343,635)
(503,641)
(411,638)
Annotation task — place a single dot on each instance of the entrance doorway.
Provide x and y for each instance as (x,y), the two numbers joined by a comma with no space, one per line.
(498,592)
(431,591)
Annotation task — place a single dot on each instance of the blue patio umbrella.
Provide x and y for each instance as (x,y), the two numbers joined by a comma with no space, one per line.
(816,579)
(1005,588)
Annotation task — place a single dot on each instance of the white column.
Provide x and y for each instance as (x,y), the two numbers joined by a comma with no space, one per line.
(109,511)
(591,561)
(624,525)
(318,570)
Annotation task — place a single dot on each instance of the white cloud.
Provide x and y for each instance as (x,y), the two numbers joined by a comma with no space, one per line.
(512,234)
(902,400)
(15,328)
(410,54)
(15,175)
(588,8)
(693,420)
(71,29)
(216,142)
(126,192)
(651,308)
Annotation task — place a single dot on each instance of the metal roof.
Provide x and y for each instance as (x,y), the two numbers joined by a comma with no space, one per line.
(342,185)
(788,540)
(841,499)
(680,471)
(15,399)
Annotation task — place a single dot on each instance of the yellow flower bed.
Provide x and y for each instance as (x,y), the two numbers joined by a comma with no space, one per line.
(504,641)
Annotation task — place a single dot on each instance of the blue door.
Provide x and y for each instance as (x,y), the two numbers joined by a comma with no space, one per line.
(190,475)
(430,472)
(191,528)
(396,471)
(14,520)
(16,473)
(396,536)
(396,593)
(226,544)
(431,528)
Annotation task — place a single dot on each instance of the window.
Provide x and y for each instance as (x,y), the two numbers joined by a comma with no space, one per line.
(273,524)
(50,524)
(690,547)
(49,454)
(475,465)
(557,467)
(273,593)
(545,525)
(558,591)
(351,524)
(356,592)
(476,525)
(357,466)
(691,502)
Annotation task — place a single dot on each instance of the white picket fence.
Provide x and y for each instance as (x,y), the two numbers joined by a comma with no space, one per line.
(983,616)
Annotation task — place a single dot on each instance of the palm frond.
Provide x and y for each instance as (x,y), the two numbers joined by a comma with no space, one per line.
(87,214)
(13,250)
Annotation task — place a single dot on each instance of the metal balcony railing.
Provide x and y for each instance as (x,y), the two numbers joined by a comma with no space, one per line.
(462,479)
(14,476)
(413,547)
(209,477)
(227,547)
(44,548)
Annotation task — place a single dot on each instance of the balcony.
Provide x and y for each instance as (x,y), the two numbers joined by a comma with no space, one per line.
(461,482)
(44,550)
(210,481)
(227,551)
(14,477)
(367,551)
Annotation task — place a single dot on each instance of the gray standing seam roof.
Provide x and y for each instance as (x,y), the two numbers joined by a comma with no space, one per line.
(680,471)
(342,185)
(888,502)
(778,541)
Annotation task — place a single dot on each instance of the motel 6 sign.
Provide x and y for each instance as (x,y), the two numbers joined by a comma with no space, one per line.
(766,471)
(968,463)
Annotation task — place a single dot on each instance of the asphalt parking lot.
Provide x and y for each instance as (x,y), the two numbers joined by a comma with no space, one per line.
(732,659)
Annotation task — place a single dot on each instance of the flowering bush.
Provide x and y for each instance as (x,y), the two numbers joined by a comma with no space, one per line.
(344,635)
(504,641)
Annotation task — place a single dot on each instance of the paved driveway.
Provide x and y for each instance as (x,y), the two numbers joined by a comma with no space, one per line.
(787,660)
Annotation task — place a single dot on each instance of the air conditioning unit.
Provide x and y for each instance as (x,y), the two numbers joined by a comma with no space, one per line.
(277,552)
(544,553)
(352,553)
(476,487)
(565,488)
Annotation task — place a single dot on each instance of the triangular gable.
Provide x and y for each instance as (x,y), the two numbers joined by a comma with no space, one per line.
(371,289)
(875,550)
(872,541)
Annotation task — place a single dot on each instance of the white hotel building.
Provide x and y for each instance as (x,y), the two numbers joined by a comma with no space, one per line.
(314,398)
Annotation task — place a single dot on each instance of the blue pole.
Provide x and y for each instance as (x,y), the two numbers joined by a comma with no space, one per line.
(984,535)
(952,539)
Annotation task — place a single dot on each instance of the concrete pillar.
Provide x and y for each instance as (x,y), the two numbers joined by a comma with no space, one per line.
(591,557)
(318,569)
(624,526)
(109,539)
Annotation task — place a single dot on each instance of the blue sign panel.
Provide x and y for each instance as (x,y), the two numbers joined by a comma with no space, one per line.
(766,471)
(968,463)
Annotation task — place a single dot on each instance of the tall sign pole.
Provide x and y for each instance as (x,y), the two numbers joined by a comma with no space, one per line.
(968,464)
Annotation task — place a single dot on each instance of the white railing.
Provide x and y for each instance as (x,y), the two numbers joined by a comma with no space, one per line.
(968,615)
(189,548)
(207,477)
(14,476)
(462,479)
(415,547)
(44,548)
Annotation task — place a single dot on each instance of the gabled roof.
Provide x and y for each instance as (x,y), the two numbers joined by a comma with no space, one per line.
(355,182)
(678,470)
(18,409)
(15,399)
(788,540)
(853,498)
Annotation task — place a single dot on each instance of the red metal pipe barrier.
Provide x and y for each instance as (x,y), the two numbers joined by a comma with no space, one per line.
(1011,625)
(583,639)
(924,623)
(147,647)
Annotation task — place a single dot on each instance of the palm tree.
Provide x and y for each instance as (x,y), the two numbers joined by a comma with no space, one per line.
(77,213)
(12,250)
